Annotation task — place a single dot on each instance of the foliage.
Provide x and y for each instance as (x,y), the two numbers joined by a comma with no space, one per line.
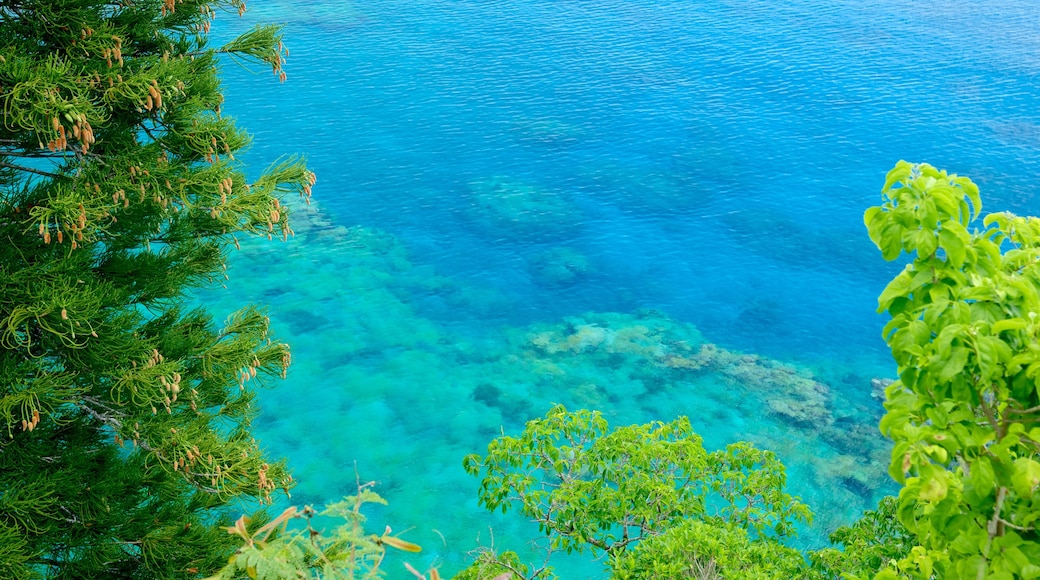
(964,415)
(488,565)
(867,546)
(274,553)
(708,550)
(124,413)
(591,487)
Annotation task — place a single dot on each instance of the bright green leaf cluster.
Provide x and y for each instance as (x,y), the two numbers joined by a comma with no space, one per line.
(347,552)
(708,551)
(873,543)
(965,414)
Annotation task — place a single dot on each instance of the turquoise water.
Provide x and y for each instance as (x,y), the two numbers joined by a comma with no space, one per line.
(648,208)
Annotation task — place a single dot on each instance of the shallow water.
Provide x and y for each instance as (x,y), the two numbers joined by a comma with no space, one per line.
(496,178)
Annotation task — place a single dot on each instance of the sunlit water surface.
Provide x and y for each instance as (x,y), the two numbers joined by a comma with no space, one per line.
(529,202)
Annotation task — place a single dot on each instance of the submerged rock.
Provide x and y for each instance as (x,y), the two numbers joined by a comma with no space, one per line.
(790,393)
(877,388)
(649,190)
(506,208)
(560,266)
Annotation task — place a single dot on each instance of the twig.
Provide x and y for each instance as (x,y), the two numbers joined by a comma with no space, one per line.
(1019,528)
(992,528)
(33,154)
(1024,411)
(31,170)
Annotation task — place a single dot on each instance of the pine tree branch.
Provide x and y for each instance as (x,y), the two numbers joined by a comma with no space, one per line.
(34,154)
(69,516)
(109,417)
(31,170)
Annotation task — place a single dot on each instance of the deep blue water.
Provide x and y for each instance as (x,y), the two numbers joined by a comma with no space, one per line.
(489,171)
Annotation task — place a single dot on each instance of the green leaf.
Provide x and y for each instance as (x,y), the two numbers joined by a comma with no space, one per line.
(924,241)
(874,218)
(980,482)
(1009,324)
(1026,476)
(953,245)
(953,364)
(998,218)
(990,352)
(1030,572)
(891,239)
(897,174)
(933,488)
(898,287)
(972,192)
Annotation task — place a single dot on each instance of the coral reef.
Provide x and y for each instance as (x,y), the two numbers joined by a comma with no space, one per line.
(506,208)
(647,334)
(849,470)
(397,391)
(659,344)
(560,266)
(790,393)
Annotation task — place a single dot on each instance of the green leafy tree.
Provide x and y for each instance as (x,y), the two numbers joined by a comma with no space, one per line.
(709,550)
(867,546)
(348,552)
(491,565)
(965,412)
(124,413)
(590,487)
